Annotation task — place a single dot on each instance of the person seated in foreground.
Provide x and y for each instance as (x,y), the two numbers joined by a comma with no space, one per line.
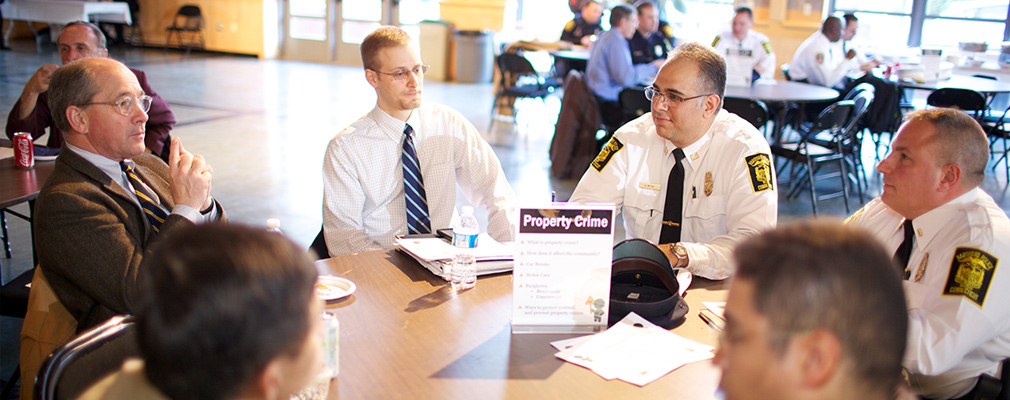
(688,175)
(948,237)
(225,312)
(815,311)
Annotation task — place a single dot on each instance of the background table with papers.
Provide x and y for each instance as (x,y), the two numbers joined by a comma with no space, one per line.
(405,334)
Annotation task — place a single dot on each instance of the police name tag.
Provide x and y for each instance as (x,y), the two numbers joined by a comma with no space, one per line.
(561,279)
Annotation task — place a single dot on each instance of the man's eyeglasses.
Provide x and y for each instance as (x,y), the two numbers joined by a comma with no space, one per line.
(125,104)
(670,99)
(401,74)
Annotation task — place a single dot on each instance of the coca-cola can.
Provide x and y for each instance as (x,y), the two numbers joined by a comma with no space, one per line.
(24,156)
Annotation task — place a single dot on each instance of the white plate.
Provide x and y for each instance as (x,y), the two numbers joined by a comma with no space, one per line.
(332,287)
(45,158)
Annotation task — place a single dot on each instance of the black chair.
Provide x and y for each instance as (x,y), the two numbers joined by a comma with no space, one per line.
(850,143)
(187,23)
(751,110)
(810,157)
(319,246)
(633,103)
(74,367)
(963,99)
(518,80)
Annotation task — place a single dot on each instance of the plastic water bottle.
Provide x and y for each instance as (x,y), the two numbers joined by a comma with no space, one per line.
(464,237)
(274,226)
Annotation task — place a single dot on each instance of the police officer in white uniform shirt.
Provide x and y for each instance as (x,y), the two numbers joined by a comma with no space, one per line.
(721,163)
(819,59)
(743,37)
(951,243)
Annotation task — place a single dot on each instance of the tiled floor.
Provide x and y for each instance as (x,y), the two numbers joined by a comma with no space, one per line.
(264,124)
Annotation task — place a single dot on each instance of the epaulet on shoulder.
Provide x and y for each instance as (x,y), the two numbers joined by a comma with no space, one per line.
(570,25)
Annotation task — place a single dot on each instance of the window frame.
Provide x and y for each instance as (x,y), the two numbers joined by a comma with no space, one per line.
(918,18)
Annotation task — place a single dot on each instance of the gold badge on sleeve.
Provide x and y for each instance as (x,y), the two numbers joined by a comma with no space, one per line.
(612,147)
(971,271)
(760,168)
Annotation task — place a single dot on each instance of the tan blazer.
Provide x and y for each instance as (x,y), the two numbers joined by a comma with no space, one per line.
(48,325)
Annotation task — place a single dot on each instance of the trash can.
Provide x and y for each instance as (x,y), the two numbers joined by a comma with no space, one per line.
(474,56)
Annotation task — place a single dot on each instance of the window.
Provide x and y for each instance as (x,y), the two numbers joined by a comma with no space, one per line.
(928,23)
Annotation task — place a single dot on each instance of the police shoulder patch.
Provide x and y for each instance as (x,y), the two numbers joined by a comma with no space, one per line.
(971,272)
(612,147)
(760,167)
(667,31)
(569,26)
(767,46)
(820,58)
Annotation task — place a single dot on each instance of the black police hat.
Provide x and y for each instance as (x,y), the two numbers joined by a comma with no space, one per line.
(643,281)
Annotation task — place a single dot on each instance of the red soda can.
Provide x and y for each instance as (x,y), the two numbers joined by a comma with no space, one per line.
(24,156)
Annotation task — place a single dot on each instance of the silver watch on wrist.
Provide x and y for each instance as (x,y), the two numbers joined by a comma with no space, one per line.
(680,252)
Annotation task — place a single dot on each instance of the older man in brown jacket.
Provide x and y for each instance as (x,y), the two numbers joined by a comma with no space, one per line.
(106,201)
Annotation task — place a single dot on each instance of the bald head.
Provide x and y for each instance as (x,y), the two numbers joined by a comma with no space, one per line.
(832,28)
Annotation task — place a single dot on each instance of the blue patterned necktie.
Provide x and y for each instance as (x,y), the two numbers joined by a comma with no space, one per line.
(156,214)
(413,188)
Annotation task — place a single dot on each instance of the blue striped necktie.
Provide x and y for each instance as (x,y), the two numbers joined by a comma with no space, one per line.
(156,214)
(413,188)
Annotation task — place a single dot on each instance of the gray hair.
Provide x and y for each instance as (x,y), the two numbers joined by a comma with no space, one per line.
(99,35)
(71,85)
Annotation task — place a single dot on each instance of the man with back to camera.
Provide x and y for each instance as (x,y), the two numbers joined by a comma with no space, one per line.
(653,39)
(804,322)
(79,40)
(820,60)
(610,69)
(196,288)
(742,36)
(948,238)
(395,171)
(720,162)
(580,30)
(105,202)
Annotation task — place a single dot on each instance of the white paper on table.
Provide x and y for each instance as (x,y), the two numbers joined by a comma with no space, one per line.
(718,307)
(565,344)
(635,354)
(432,248)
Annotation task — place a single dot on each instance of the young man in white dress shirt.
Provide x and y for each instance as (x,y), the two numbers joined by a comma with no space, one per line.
(367,199)
(949,238)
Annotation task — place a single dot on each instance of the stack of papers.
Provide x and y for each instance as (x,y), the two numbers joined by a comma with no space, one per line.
(436,253)
(633,350)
